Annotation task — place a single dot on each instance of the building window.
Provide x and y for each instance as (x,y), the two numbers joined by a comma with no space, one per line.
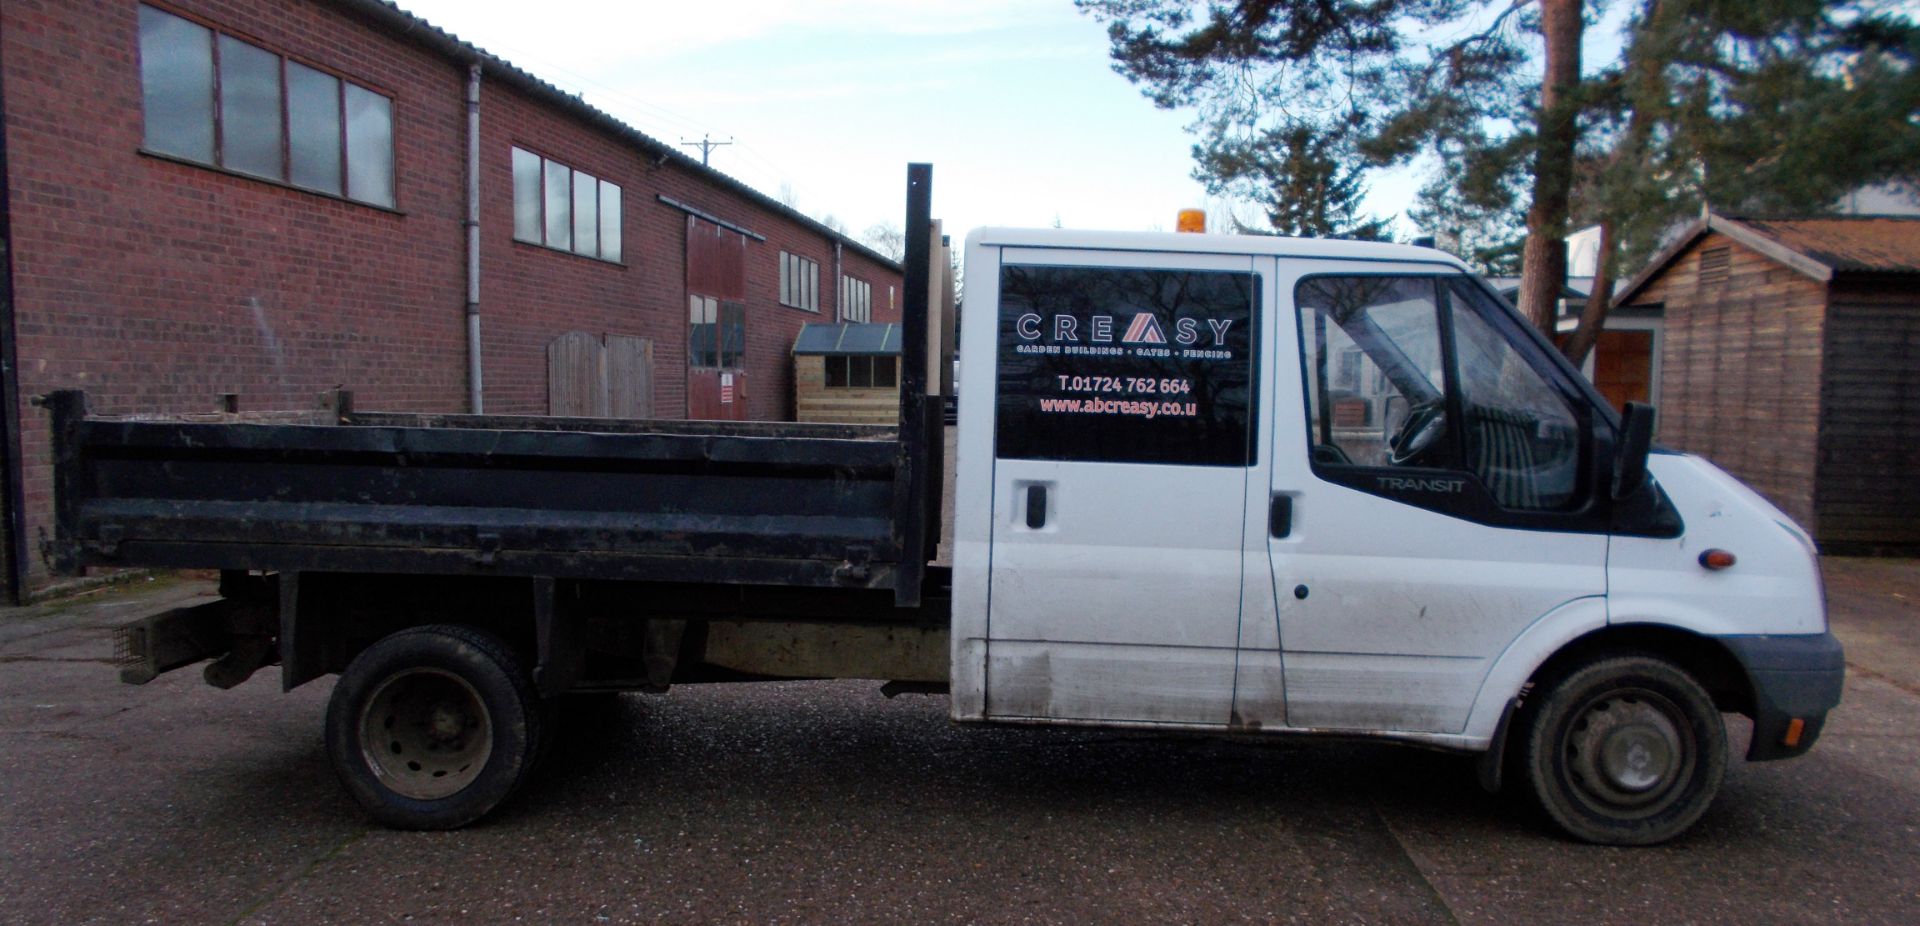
(716,333)
(559,207)
(212,98)
(799,282)
(862,372)
(856,300)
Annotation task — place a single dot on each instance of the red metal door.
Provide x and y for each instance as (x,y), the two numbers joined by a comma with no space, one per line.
(716,321)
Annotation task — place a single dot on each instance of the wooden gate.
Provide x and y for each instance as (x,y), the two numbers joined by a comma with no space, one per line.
(716,321)
(600,377)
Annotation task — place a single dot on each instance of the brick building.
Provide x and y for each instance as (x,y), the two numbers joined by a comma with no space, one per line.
(270,198)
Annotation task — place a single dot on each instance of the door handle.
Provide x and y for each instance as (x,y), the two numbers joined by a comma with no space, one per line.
(1036,507)
(1280,516)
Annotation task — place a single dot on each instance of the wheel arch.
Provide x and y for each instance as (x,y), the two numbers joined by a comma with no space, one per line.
(1705,659)
(328,619)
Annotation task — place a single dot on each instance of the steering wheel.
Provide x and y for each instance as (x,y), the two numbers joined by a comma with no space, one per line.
(1424,426)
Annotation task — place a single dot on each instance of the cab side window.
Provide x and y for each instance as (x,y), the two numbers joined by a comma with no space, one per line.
(1376,386)
(1522,439)
(1126,365)
(1411,378)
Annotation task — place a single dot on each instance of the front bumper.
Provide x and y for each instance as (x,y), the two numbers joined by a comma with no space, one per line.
(1796,680)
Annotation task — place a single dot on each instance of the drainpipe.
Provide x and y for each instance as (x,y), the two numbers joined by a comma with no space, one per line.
(839,293)
(474,402)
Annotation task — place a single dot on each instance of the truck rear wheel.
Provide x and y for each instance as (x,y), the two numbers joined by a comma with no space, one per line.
(1626,750)
(432,727)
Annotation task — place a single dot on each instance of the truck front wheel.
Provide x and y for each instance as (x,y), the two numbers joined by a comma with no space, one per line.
(432,727)
(1626,750)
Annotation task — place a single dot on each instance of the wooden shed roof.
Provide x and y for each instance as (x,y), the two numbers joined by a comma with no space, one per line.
(1817,247)
(1865,244)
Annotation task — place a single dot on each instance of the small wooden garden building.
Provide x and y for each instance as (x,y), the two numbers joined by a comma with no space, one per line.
(847,373)
(1790,356)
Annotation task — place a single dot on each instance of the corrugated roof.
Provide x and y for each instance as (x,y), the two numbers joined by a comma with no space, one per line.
(409,27)
(848,339)
(1860,244)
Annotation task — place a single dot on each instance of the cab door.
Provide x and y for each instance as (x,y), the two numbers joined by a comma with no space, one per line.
(1123,437)
(1438,468)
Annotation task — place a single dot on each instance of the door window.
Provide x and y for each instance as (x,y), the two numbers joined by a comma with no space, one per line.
(1120,365)
(1410,375)
(1522,439)
(1376,385)
(716,332)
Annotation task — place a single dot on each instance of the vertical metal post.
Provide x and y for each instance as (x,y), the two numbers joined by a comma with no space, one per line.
(475,401)
(13,517)
(68,409)
(911,482)
(839,285)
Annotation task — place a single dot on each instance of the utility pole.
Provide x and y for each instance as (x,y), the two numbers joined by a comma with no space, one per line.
(706,144)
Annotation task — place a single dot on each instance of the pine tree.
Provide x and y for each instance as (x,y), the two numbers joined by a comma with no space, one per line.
(1301,180)
(1747,105)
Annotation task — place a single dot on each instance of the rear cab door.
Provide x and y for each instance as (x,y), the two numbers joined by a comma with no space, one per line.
(1114,445)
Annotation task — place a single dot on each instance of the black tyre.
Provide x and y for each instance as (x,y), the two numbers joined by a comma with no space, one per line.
(1626,750)
(432,727)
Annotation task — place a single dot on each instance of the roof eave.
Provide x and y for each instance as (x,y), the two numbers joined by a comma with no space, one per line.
(1746,235)
(406,26)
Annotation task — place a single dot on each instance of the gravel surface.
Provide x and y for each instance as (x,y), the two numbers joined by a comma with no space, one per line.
(823,802)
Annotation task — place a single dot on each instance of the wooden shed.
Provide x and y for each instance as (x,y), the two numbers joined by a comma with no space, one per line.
(847,373)
(1790,356)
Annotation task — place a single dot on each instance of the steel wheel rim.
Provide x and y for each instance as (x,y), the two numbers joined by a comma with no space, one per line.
(1629,751)
(425,733)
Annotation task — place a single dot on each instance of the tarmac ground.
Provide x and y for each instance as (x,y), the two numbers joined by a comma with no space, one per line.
(823,802)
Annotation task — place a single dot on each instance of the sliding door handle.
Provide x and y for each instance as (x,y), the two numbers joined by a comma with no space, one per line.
(1036,507)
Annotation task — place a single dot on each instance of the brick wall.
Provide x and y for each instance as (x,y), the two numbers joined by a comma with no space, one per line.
(157,285)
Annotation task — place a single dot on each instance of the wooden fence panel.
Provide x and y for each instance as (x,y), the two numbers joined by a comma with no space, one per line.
(576,376)
(594,377)
(629,376)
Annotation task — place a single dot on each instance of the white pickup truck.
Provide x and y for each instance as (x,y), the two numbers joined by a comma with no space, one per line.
(1275,485)
(1241,485)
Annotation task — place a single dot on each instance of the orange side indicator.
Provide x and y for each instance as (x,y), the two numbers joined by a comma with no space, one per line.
(1795,727)
(1716,559)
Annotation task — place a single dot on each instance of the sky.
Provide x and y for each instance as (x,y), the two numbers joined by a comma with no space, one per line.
(1014,102)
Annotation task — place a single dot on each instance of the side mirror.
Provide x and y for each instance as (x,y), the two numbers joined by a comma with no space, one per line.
(1630,455)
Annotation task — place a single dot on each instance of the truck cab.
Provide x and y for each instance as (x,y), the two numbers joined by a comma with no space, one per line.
(1264,484)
